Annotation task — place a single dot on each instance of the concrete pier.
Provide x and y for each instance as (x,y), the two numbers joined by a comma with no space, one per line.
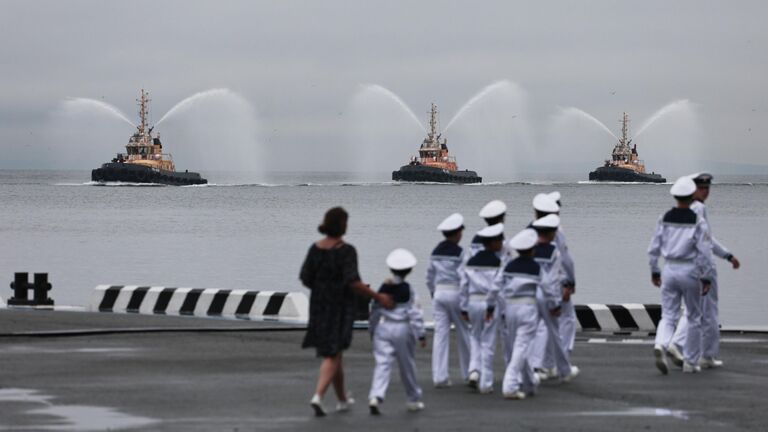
(91,371)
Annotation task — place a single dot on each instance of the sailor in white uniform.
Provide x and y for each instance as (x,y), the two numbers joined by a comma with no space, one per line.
(568,311)
(683,239)
(394,332)
(518,284)
(494,212)
(476,281)
(710,322)
(443,283)
(549,352)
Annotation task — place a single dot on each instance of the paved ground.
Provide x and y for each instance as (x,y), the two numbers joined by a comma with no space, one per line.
(255,377)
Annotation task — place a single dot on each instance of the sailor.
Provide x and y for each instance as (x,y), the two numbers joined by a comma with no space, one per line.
(549,352)
(394,332)
(476,281)
(518,284)
(683,239)
(567,317)
(443,283)
(710,323)
(493,213)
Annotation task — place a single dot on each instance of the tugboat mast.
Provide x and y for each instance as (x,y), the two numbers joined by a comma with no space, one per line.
(625,130)
(433,127)
(143,101)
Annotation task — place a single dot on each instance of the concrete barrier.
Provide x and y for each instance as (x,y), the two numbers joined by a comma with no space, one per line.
(201,302)
(630,317)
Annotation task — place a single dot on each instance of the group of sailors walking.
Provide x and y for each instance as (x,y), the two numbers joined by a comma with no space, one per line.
(521,291)
(517,290)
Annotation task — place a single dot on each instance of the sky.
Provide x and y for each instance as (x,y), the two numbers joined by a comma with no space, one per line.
(296,73)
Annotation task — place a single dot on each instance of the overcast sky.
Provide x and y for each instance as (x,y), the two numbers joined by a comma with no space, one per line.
(300,65)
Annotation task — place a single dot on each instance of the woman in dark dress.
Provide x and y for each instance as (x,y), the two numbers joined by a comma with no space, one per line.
(330,272)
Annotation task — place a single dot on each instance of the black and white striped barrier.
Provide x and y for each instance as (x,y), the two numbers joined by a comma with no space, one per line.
(631,317)
(199,302)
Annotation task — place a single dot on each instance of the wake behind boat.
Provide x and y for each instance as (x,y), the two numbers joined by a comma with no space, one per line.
(144,160)
(624,165)
(433,163)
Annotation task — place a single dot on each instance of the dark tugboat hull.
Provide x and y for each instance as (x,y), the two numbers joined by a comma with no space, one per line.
(133,173)
(422,173)
(624,175)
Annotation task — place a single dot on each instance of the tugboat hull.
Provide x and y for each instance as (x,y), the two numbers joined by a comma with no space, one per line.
(617,174)
(134,173)
(422,173)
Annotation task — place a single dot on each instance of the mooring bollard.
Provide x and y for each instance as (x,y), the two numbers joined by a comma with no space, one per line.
(40,288)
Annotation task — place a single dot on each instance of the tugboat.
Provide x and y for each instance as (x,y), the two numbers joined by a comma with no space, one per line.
(144,160)
(433,163)
(624,165)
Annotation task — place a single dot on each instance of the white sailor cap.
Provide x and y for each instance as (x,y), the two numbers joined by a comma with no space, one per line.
(401,259)
(451,223)
(545,204)
(548,221)
(524,240)
(491,231)
(493,209)
(683,187)
(555,196)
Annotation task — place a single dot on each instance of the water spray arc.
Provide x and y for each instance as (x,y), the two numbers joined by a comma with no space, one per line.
(78,105)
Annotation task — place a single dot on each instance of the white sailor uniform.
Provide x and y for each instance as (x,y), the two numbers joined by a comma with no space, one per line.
(394,332)
(710,321)
(517,284)
(476,282)
(549,351)
(567,318)
(443,282)
(682,238)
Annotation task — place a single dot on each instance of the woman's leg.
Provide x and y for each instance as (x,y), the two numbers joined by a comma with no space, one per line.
(338,381)
(328,369)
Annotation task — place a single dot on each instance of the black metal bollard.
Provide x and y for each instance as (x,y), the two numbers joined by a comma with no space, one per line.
(41,288)
(19,286)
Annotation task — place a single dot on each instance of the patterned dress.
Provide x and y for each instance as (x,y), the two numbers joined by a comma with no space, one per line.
(329,273)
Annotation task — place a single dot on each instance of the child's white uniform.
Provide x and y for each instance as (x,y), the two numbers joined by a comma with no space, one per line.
(443,283)
(394,332)
(517,284)
(476,282)
(549,350)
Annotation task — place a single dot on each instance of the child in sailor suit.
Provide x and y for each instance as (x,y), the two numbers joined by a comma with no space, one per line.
(394,333)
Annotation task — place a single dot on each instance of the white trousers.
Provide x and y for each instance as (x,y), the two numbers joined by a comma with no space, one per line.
(394,341)
(548,351)
(567,321)
(446,312)
(522,321)
(710,325)
(679,286)
(482,344)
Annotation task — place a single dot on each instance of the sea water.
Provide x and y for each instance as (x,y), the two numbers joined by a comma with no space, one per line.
(241,234)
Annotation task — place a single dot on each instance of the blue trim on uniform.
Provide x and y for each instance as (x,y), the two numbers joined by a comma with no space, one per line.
(544,250)
(400,293)
(484,258)
(683,216)
(523,265)
(447,248)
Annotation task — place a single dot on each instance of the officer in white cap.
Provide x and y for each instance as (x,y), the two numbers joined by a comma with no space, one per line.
(476,281)
(394,333)
(518,284)
(710,322)
(683,239)
(493,213)
(443,283)
(550,354)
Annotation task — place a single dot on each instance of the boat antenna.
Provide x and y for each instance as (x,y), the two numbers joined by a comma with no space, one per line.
(625,130)
(433,122)
(143,101)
